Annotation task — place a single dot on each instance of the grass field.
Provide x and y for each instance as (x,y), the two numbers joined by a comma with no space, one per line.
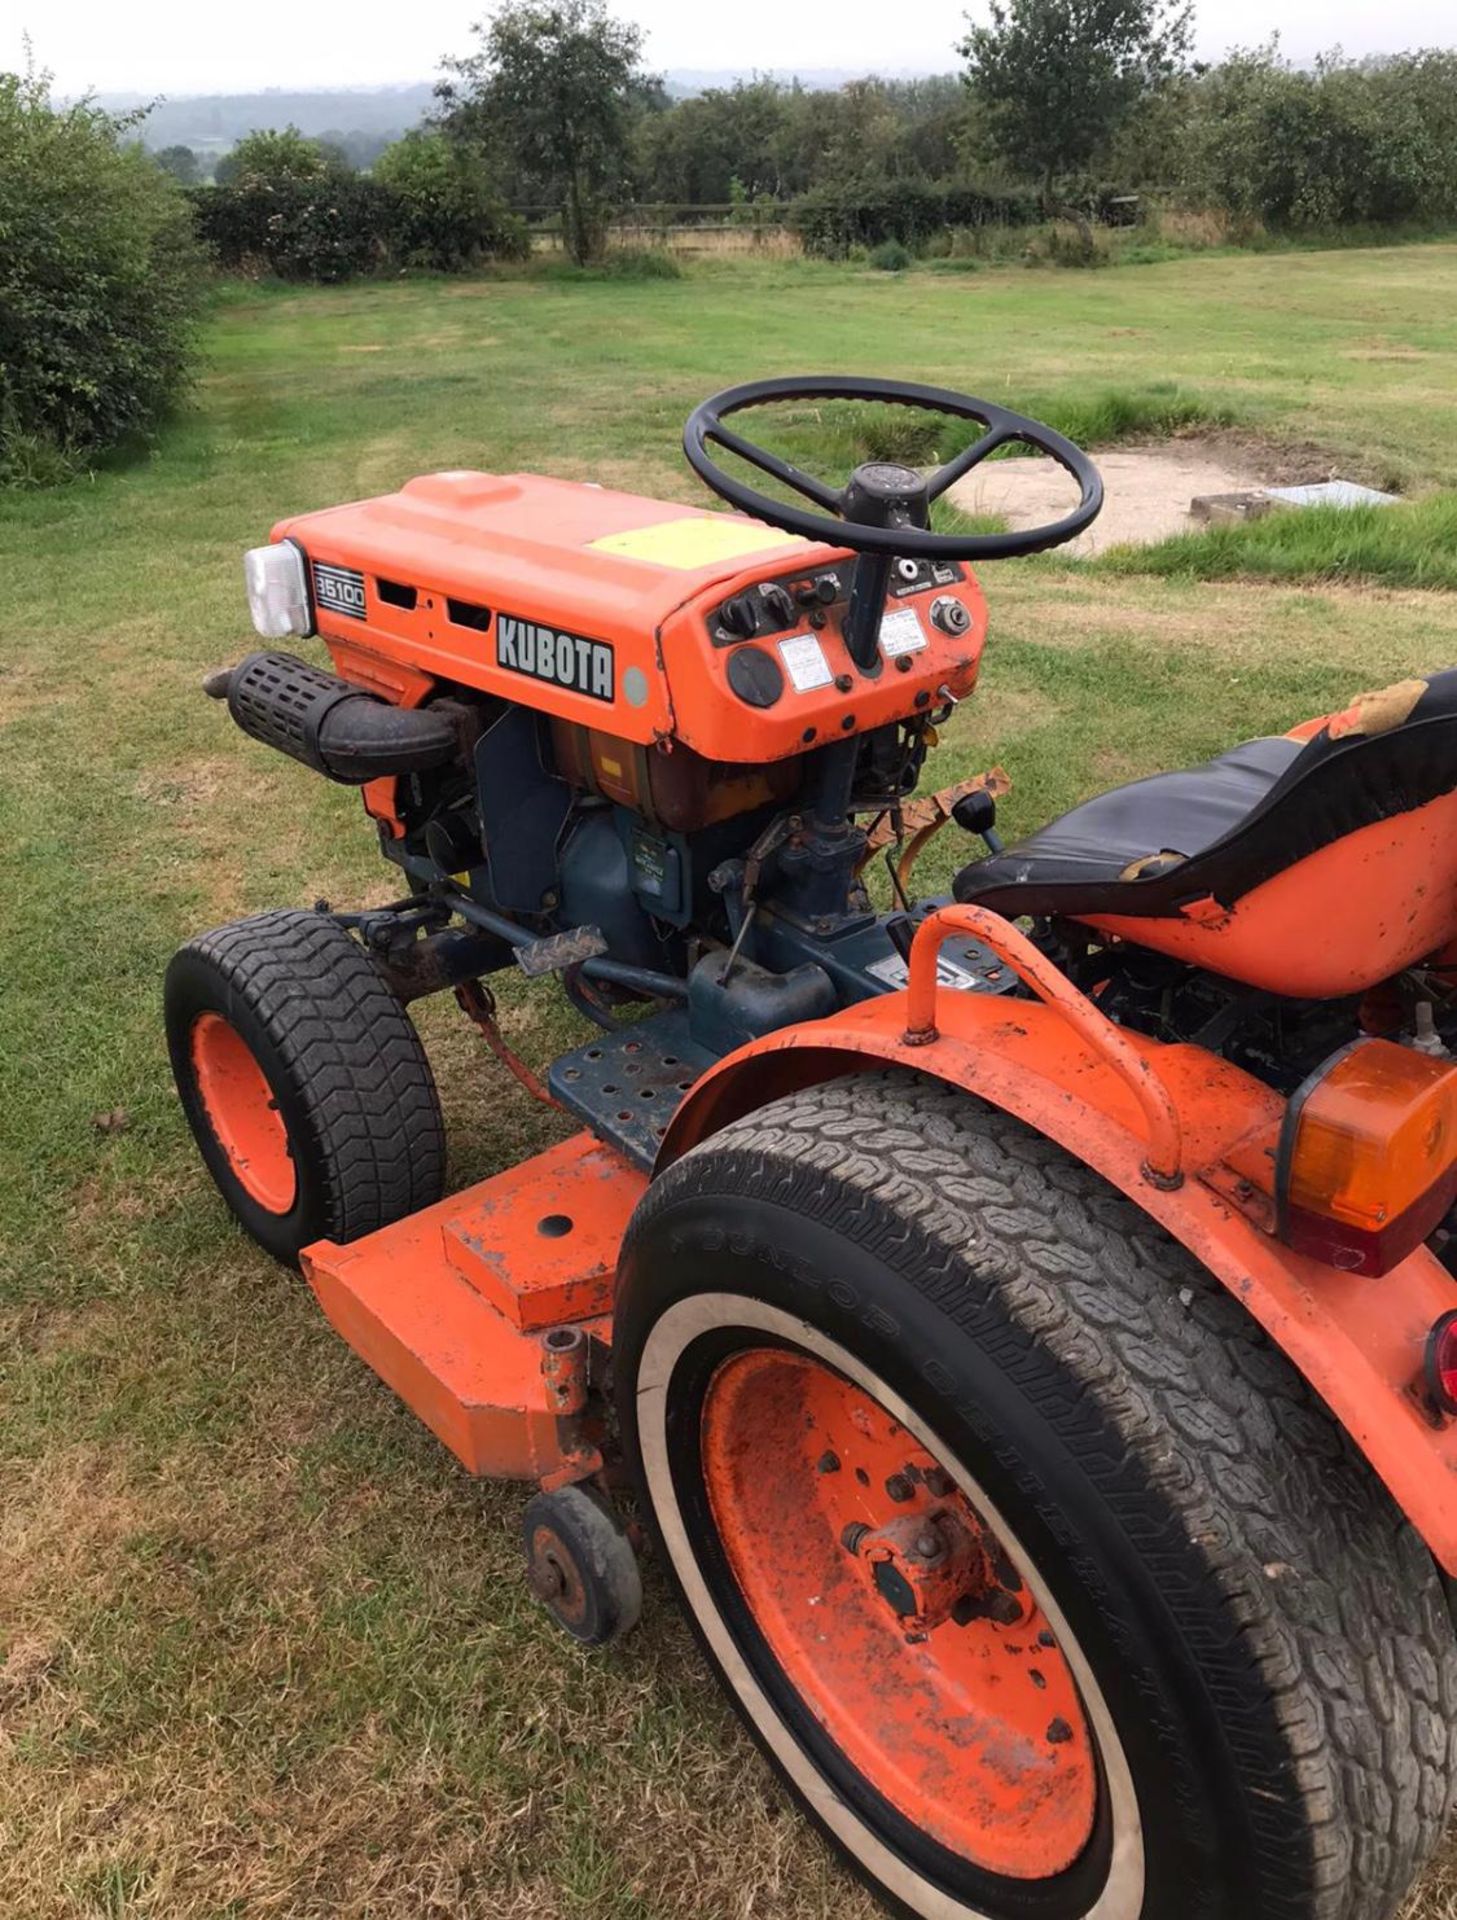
(264,1650)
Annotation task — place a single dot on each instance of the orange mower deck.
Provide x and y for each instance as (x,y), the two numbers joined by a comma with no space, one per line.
(482,1311)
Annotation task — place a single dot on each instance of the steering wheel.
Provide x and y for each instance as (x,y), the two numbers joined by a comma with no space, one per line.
(901,492)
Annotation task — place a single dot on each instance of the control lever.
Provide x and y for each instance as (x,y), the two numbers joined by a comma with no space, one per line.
(900,930)
(976,812)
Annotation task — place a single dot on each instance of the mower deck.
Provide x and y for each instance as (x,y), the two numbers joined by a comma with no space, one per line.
(481,1311)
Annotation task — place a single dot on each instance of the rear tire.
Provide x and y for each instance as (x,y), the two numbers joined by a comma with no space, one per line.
(303,1080)
(1260,1642)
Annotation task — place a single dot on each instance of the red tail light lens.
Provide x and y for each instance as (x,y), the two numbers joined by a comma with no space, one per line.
(1367,1165)
(1441,1366)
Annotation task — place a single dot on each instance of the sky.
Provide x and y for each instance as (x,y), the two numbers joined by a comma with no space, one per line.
(175,47)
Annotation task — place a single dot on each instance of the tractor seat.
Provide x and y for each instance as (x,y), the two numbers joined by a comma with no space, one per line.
(1312,864)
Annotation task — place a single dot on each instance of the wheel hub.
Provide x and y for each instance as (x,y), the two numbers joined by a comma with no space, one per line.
(897,1614)
(923,1565)
(243,1113)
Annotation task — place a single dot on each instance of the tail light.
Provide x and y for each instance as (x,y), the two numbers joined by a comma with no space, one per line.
(1441,1364)
(1367,1164)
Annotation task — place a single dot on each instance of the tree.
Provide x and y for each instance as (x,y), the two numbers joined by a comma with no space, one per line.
(181,163)
(1056,79)
(100,283)
(276,154)
(448,215)
(552,92)
(356,149)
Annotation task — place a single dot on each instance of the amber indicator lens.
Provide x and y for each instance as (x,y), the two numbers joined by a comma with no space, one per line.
(1368,1156)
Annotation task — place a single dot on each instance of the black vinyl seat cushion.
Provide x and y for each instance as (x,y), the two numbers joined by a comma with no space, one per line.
(1221,829)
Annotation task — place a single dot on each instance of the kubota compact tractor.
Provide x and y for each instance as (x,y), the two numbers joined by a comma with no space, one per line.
(1028,1320)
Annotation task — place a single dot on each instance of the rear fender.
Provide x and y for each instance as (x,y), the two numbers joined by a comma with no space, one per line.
(1358,1341)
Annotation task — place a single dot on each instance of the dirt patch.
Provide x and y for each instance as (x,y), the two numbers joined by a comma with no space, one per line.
(1148,490)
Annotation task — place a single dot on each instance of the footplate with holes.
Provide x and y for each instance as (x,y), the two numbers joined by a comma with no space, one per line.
(627,1085)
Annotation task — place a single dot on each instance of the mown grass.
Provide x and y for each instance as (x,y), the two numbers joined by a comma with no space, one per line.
(1410,545)
(264,1650)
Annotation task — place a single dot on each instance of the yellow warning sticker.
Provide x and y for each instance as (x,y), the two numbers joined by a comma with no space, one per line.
(699,541)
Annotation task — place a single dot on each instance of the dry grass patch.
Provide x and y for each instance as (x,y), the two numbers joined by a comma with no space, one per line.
(286,1667)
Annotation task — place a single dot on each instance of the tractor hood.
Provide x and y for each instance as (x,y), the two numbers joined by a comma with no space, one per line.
(577,556)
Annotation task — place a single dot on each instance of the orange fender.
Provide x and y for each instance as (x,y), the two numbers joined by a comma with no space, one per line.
(1181,1132)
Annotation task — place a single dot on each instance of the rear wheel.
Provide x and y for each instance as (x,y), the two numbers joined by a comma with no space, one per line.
(303,1080)
(1039,1575)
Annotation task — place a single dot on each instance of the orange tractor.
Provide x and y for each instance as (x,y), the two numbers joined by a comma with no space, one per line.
(1027,1320)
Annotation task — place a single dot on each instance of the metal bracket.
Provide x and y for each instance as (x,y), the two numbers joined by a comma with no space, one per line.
(561,950)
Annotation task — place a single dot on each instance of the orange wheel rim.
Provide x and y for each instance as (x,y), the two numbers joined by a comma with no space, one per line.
(897,1615)
(243,1113)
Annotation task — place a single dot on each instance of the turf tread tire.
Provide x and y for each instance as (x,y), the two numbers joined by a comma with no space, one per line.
(1313,1609)
(347,1065)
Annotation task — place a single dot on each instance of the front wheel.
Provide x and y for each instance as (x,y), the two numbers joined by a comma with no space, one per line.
(1039,1575)
(303,1080)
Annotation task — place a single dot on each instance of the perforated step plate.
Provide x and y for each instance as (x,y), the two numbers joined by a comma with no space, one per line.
(626,1086)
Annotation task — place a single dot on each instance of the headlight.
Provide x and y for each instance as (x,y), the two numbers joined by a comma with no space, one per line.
(278,590)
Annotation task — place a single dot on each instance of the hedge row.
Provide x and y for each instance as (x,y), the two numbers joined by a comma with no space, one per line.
(100,285)
(345,224)
(832,220)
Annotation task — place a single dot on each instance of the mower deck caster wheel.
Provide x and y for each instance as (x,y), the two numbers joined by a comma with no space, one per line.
(580,1564)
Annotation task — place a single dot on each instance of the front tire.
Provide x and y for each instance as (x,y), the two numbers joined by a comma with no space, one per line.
(303,1080)
(1149,1507)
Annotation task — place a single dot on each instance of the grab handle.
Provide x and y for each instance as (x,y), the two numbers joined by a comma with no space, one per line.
(1163,1166)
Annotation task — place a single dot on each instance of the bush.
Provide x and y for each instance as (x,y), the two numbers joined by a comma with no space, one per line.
(99,284)
(446,215)
(831,221)
(291,207)
(284,205)
(328,228)
(276,153)
(891,257)
(1343,145)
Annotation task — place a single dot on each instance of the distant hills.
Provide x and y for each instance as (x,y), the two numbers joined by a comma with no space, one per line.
(213,122)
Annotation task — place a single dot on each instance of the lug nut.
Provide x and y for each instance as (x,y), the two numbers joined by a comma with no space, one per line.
(899,1489)
(828,1463)
(852,1536)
